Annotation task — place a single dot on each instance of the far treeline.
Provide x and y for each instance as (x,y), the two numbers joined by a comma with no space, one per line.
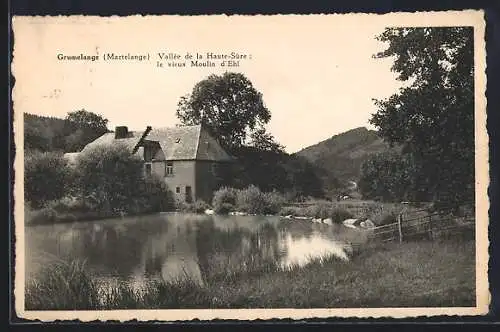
(429,123)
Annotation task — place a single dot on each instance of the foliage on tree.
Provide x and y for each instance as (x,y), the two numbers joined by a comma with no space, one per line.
(232,109)
(269,170)
(262,140)
(432,117)
(46,175)
(85,119)
(84,127)
(235,114)
(389,176)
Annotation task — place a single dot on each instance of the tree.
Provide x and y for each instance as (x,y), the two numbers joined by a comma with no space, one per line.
(85,119)
(231,108)
(270,170)
(389,177)
(82,127)
(264,141)
(432,117)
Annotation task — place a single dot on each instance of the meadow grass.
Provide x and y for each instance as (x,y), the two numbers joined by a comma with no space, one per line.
(408,275)
(412,274)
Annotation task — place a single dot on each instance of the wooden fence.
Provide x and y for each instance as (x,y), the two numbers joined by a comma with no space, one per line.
(429,226)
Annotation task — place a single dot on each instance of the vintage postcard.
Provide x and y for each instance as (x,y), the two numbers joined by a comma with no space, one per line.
(250,167)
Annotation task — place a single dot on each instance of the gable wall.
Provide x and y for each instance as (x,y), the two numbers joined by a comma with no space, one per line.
(209,148)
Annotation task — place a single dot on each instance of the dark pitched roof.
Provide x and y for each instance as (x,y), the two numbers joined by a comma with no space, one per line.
(177,143)
(109,138)
(188,143)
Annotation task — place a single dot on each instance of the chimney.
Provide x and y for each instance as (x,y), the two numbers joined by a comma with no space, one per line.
(121,132)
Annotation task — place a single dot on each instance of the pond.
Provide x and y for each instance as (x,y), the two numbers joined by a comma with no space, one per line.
(169,246)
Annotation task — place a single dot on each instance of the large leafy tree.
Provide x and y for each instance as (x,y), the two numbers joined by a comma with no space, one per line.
(231,107)
(234,112)
(389,176)
(82,127)
(432,116)
(86,119)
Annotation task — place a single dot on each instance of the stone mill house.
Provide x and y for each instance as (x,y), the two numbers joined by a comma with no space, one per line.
(188,158)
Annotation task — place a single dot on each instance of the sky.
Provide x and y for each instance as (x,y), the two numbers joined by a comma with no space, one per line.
(316,73)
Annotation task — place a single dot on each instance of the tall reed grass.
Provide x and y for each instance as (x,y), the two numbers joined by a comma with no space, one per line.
(414,274)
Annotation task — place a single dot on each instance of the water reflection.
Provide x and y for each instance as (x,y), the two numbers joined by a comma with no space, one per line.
(172,246)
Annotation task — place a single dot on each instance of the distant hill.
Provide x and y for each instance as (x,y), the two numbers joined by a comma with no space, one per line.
(340,157)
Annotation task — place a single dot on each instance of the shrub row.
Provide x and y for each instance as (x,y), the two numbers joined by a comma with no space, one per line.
(250,200)
(105,181)
(198,206)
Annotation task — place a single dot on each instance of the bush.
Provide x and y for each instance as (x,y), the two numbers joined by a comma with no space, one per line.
(274,201)
(321,210)
(199,206)
(45,177)
(250,200)
(70,204)
(225,208)
(224,200)
(113,179)
(288,211)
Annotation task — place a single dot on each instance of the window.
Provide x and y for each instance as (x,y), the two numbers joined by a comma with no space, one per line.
(178,190)
(169,168)
(148,169)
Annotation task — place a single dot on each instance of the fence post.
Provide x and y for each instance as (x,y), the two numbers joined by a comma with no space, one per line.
(431,234)
(400,219)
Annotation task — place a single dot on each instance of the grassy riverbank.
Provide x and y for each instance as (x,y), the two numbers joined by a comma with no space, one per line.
(440,273)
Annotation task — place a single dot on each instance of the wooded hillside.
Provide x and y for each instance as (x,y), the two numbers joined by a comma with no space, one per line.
(67,135)
(340,157)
